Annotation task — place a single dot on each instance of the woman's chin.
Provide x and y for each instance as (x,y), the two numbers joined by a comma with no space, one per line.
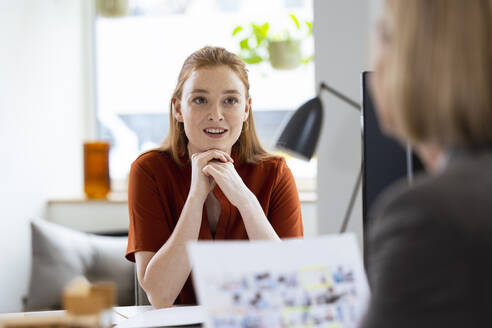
(204,148)
(224,149)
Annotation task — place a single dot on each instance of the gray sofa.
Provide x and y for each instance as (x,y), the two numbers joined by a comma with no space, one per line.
(60,254)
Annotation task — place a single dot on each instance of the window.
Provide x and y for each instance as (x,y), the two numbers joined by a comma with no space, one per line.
(138,58)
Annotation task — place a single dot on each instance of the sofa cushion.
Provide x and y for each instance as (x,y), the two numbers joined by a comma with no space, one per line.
(60,254)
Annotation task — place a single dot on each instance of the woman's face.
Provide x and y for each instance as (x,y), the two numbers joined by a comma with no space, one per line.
(213,107)
(380,54)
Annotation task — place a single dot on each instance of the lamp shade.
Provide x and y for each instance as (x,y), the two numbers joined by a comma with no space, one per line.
(300,135)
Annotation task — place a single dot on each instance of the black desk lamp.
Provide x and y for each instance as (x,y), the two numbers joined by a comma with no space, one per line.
(301,134)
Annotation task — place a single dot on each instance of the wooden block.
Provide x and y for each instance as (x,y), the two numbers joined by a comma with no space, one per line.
(82,305)
(81,298)
(105,291)
(86,307)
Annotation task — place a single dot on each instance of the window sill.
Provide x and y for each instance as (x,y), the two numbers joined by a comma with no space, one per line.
(110,216)
(121,197)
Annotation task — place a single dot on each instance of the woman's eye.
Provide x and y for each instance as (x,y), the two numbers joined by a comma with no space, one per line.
(199,100)
(231,101)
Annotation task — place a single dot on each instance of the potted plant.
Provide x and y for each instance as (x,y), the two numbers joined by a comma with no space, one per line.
(112,8)
(258,43)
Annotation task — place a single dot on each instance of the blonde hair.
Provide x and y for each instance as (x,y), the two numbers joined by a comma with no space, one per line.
(247,147)
(438,82)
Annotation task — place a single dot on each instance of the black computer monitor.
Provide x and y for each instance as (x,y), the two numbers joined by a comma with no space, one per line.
(384,159)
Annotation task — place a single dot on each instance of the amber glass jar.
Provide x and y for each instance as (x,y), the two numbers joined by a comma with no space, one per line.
(96,170)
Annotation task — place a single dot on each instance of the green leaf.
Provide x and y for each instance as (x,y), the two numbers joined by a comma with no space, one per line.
(310,27)
(257,31)
(244,44)
(296,21)
(307,60)
(264,29)
(260,31)
(238,29)
(253,59)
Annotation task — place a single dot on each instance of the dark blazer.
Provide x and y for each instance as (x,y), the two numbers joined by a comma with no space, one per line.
(430,249)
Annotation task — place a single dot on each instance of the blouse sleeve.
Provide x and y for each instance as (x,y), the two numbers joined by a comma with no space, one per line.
(285,209)
(149,226)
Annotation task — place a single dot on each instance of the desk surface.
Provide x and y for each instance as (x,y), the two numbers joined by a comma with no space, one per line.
(120,314)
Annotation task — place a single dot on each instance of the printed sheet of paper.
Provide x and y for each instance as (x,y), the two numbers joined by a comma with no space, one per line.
(294,283)
(170,317)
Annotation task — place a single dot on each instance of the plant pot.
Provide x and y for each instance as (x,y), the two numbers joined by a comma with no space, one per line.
(285,54)
(112,8)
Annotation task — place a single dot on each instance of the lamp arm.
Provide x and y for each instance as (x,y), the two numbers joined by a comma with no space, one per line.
(352,201)
(358,107)
(339,95)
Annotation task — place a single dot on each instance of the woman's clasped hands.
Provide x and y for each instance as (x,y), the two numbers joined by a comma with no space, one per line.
(216,167)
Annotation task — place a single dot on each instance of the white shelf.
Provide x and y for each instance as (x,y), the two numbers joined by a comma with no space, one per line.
(110,216)
(96,216)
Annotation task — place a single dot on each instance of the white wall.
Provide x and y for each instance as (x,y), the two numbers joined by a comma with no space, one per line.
(341,29)
(41,124)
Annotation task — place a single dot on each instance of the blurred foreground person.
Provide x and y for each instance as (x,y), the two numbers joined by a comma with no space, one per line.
(429,262)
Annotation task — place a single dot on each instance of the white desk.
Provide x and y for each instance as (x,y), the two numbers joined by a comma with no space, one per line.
(120,314)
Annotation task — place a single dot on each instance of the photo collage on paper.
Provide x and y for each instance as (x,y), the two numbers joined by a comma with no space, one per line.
(316,296)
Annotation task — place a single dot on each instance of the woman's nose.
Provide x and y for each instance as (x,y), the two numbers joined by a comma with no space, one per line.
(215,113)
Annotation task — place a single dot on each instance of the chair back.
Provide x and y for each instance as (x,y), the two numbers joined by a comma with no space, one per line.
(140,295)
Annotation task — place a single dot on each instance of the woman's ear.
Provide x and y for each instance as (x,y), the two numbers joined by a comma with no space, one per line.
(177,110)
(246,109)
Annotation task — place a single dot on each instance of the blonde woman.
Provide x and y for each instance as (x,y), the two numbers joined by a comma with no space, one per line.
(211,179)
(429,262)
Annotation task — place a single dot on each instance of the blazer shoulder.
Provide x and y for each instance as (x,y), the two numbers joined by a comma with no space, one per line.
(401,204)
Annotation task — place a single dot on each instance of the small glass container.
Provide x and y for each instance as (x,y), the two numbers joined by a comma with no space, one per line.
(96,170)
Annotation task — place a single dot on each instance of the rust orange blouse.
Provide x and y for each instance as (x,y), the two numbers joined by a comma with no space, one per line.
(158,188)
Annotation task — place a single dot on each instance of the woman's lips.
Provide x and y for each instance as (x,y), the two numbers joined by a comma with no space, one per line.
(215,132)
